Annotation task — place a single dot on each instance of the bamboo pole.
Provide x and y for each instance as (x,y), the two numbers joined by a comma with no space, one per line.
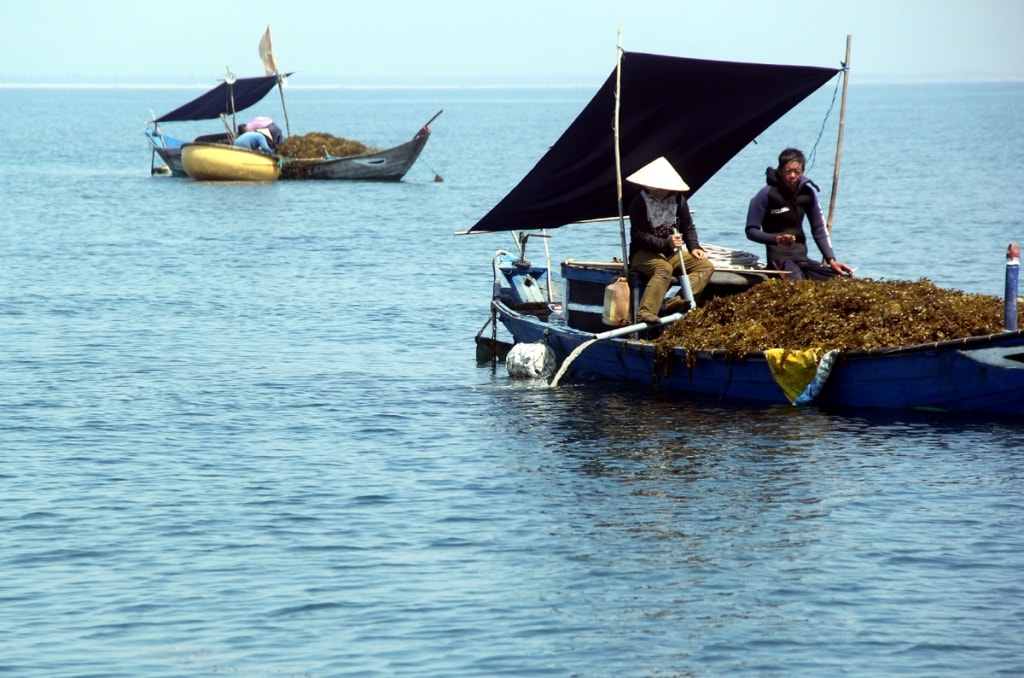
(280,89)
(839,140)
(618,154)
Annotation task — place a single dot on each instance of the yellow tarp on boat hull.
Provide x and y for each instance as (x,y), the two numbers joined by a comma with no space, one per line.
(800,374)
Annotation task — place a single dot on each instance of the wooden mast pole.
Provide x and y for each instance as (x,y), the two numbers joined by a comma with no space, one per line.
(280,89)
(618,154)
(839,140)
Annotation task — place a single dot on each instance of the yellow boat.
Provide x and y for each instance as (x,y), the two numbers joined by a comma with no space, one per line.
(223,162)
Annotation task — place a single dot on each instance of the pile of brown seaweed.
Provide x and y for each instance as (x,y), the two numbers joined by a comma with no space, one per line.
(319,145)
(842,314)
(301,150)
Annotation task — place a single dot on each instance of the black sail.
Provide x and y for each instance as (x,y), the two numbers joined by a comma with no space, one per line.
(244,92)
(697,113)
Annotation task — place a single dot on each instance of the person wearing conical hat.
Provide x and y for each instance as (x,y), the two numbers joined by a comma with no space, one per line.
(660,224)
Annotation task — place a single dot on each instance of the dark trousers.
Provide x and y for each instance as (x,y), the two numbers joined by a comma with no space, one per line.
(804,269)
(658,270)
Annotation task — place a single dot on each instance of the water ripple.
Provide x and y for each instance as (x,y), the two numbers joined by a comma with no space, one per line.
(221,456)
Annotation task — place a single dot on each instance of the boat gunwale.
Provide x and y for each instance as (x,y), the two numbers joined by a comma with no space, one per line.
(966,343)
(422,140)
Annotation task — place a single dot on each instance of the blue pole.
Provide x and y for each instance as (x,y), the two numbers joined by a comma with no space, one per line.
(1010,296)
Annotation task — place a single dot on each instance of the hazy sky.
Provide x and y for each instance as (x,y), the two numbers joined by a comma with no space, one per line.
(430,42)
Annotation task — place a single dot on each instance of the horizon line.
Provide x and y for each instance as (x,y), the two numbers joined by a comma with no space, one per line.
(893,80)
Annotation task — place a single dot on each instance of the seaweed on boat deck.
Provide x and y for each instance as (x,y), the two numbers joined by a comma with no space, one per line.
(312,146)
(840,314)
(301,150)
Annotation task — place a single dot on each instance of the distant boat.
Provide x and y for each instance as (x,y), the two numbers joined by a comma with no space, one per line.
(699,114)
(230,97)
(234,95)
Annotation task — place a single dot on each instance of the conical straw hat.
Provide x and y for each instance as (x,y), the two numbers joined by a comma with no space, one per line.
(658,173)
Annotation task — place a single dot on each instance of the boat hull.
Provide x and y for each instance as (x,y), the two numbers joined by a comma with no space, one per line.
(168,149)
(172,158)
(223,162)
(390,164)
(982,375)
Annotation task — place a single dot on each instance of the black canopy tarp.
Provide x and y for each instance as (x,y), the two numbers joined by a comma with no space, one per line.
(697,113)
(210,105)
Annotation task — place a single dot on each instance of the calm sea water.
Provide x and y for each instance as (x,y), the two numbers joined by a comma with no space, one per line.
(243,430)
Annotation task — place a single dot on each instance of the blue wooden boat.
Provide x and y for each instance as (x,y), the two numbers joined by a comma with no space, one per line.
(973,374)
(577,181)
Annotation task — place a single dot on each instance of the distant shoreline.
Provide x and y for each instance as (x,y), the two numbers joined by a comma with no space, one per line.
(854,81)
(152,86)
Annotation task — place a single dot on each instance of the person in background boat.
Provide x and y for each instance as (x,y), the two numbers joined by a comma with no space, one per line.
(257,140)
(775,219)
(656,216)
(276,135)
(264,123)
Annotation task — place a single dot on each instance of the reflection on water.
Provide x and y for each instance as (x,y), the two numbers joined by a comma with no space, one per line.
(762,532)
(679,465)
(222,455)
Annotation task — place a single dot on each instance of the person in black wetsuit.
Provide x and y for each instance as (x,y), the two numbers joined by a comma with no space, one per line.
(775,219)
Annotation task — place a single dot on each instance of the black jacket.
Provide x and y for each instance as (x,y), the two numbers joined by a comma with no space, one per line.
(643,236)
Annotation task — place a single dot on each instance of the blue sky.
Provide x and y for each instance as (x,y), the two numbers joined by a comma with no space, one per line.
(441,42)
